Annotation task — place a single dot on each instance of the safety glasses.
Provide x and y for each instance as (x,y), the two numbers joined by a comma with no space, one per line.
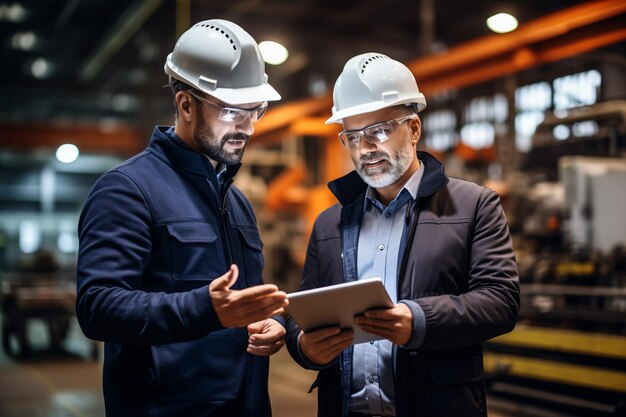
(375,134)
(235,115)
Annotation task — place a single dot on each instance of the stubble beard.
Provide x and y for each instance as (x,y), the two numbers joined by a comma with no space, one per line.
(213,148)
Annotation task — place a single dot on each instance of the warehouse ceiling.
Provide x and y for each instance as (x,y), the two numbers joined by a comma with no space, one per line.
(100,60)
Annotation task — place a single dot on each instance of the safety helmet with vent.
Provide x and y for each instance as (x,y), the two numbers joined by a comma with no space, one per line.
(370,82)
(221,59)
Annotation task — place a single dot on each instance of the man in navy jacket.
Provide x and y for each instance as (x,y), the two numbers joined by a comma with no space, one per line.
(170,263)
(440,244)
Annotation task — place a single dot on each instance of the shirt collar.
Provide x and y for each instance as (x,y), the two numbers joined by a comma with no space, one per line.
(411,187)
(221,172)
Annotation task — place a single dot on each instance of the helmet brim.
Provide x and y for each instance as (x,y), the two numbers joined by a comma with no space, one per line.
(371,107)
(234,96)
(245,95)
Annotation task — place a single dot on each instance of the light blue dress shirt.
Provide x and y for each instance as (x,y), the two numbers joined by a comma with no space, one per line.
(372,390)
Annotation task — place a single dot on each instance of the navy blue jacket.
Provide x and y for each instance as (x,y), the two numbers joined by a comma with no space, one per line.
(459,267)
(154,232)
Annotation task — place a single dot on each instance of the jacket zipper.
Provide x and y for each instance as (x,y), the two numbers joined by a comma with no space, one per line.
(411,221)
(225,222)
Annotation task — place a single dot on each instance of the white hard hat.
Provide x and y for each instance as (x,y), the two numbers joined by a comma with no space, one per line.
(371,82)
(221,59)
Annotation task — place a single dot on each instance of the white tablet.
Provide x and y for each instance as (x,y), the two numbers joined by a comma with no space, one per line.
(336,305)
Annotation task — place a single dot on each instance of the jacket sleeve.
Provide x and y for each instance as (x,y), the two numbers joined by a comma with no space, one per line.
(115,247)
(310,279)
(490,306)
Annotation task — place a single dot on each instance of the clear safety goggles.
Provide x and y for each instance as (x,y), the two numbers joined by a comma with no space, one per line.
(235,115)
(375,134)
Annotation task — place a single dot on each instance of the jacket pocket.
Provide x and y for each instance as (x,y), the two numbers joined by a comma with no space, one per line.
(252,248)
(195,251)
(457,378)
(251,238)
(207,369)
(455,366)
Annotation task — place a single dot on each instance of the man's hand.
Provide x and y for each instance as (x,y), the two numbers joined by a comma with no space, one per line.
(395,324)
(238,308)
(265,337)
(322,346)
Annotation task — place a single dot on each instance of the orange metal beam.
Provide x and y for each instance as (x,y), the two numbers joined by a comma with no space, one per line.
(336,158)
(554,37)
(554,26)
(284,115)
(524,58)
(286,191)
(119,140)
(313,126)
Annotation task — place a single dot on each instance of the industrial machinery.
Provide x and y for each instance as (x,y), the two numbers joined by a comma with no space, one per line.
(41,292)
(28,296)
(567,356)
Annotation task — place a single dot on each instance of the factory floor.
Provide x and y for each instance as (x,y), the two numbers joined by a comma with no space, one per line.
(68,383)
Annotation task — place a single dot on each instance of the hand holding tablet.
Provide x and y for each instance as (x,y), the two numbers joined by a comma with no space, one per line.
(336,305)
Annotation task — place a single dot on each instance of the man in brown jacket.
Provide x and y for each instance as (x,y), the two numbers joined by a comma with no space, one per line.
(440,244)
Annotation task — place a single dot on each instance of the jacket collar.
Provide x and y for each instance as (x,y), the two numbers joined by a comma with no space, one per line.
(172,149)
(349,188)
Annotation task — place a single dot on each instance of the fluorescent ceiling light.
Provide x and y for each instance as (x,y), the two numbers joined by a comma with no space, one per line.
(40,68)
(24,41)
(67,153)
(29,236)
(502,23)
(14,13)
(273,52)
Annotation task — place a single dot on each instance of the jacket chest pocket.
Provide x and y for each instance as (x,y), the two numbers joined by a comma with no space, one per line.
(196,253)
(251,254)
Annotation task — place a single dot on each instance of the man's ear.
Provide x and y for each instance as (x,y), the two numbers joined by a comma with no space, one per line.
(416,130)
(183,102)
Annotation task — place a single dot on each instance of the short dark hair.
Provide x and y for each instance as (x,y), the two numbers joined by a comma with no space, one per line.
(409,108)
(176,86)
(413,108)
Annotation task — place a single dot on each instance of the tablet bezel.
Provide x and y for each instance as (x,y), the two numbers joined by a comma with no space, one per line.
(336,305)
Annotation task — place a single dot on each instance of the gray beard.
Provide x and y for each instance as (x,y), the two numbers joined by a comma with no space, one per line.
(386,176)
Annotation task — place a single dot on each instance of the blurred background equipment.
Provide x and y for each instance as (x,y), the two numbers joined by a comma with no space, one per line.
(568,352)
(595,209)
(39,290)
(536,113)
